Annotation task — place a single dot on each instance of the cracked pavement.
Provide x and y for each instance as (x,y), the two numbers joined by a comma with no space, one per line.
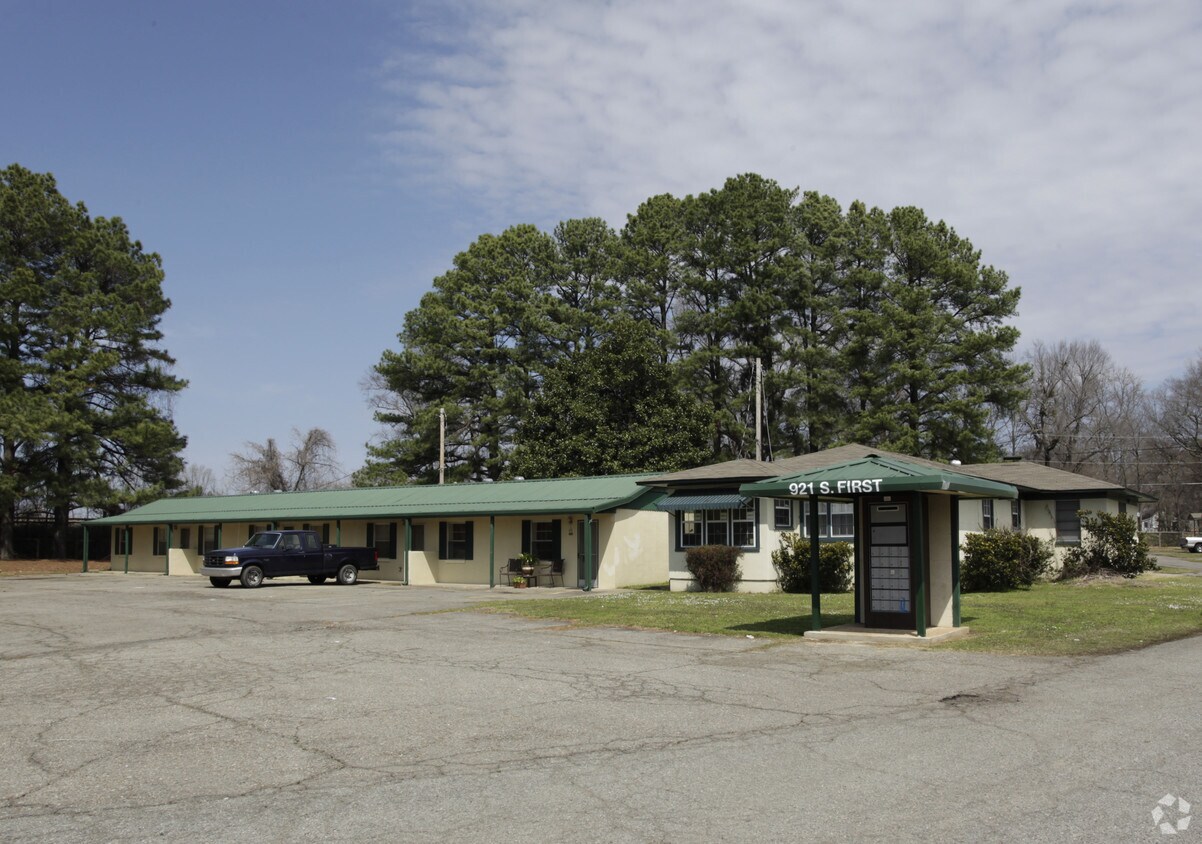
(139,707)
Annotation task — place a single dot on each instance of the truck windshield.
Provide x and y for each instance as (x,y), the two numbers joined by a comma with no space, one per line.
(262,540)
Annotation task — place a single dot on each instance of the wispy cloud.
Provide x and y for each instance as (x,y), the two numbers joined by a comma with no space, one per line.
(1064,139)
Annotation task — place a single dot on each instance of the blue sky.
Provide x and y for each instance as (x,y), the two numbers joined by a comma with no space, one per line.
(307,168)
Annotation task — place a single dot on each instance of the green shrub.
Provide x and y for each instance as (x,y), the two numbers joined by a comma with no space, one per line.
(792,563)
(999,559)
(1109,542)
(716,567)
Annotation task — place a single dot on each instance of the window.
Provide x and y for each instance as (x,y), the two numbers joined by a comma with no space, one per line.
(417,537)
(121,541)
(1016,515)
(842,518)
(185,538)
(251,531)
(986,513)
(323,529)
(382,537)
(717,529)
(782,514)
(312,542)
(160,542)
(455,540)
(823,519)
(742,521)
(542,542)
(1068,523)
(208,539)
(690,529)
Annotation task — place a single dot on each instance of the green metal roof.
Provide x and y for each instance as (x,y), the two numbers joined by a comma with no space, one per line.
(876,474)
(507,498)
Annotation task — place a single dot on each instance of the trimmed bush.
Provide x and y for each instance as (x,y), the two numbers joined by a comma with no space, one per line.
(716,567)
(1109,542)
(792,564)
(999,559)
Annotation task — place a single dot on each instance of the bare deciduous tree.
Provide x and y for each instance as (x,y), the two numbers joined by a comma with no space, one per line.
(310,462)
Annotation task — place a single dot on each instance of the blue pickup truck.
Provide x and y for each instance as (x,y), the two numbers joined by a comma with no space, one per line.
(287,553)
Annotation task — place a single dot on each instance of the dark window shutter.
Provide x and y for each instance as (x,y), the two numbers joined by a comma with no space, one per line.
(371,535)
(442,540)
(468,554)
(392,540)
(556,541)
(526,528)
(305,526)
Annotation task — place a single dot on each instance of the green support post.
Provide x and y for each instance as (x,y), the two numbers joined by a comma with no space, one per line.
(85,549)
(588,553)
(167,556)
(955,520)
(338,533)
(857,557)
(492,550)
(218,536)
(408,548)
(920,567)
(129,538)
(815,586)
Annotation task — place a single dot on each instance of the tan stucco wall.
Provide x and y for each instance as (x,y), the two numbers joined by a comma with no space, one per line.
(939,553)
(637,549)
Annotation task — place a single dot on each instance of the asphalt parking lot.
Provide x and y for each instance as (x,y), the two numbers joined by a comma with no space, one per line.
(139,707)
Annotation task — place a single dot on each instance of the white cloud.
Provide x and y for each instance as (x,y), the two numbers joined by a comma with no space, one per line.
(1064,139)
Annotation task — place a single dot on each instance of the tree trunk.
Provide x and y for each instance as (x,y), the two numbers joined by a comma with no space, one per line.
(60,532)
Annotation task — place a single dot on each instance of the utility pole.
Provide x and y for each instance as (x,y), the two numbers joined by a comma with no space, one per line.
(442,445)
(759,408)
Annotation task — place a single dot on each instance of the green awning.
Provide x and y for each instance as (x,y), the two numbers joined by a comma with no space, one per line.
(728,501)
(873,475)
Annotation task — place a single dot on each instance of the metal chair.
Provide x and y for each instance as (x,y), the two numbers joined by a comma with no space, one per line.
(511,569)
(555,571)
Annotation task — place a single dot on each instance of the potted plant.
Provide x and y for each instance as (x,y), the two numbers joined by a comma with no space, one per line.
(529,561)
(518,582)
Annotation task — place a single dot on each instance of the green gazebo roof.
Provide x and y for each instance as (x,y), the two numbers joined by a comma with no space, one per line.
(875,474)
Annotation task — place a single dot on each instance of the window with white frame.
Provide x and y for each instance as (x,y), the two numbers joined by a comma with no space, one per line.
(160,542)
(742,521)
(986,513)
(842,519)
(1016,514)
(208,538)
(717,527)
(836,519)
(782,513)
(121,541)
(542,539)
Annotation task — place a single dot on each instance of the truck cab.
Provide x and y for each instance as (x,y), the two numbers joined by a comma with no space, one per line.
(287,553)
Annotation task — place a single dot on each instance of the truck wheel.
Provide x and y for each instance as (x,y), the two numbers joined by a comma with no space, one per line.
(348,575)
(220,582)
(317,579)
(252,577)
(1198,547)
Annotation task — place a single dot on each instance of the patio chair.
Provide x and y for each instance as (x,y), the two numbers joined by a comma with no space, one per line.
(511,569)
(555,571)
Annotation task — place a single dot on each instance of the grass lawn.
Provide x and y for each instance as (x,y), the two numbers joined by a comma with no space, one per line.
(1053,619)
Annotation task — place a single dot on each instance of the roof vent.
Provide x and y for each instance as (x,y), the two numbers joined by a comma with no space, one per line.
(1013,458)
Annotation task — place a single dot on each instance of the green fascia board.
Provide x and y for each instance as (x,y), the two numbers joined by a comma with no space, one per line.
(888,476)
(556,496)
